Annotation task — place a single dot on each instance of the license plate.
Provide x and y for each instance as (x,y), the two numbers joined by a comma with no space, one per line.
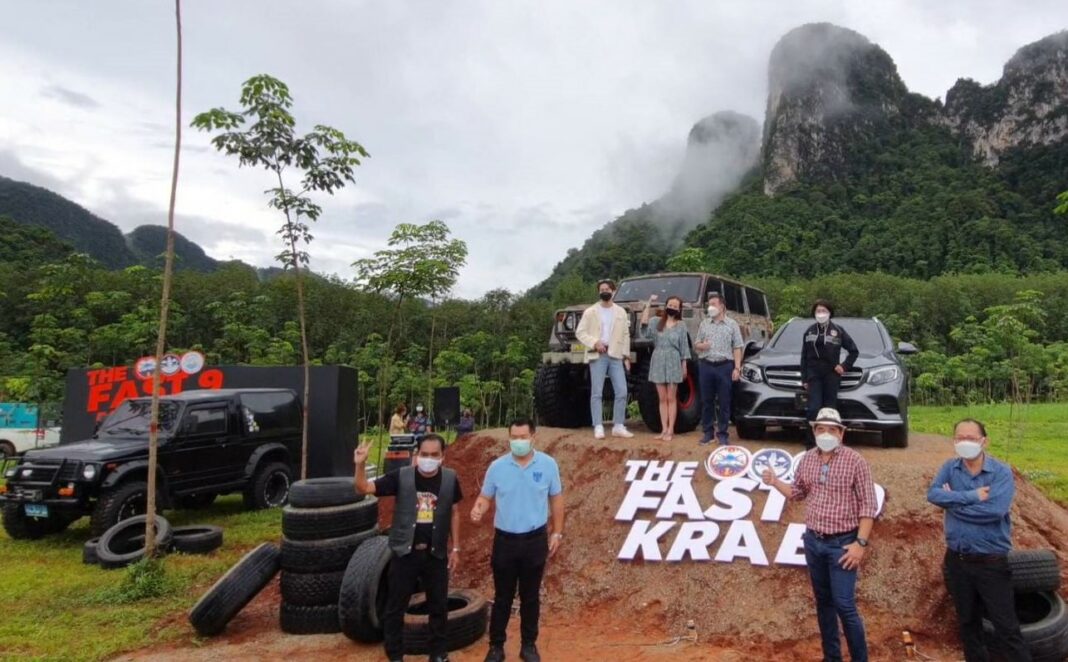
(578,347)
(36,510)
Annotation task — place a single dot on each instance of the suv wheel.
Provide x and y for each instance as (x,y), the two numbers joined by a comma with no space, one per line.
(269,487)
(21,527)
(558,399)
(688,398)
(124,501)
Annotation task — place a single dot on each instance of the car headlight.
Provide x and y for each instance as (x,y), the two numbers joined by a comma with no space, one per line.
(883,375)
(569,322)
(89,472)
(10,473)
(752,374)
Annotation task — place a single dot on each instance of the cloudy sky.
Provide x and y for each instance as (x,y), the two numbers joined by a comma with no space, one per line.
(524,125)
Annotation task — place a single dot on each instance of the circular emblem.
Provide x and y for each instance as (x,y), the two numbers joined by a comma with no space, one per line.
(728,462)
(779,461)
(170,364)
(145,366)
(795,464)
(192,362)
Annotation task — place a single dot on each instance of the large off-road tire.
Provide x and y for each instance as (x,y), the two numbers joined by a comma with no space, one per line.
(309,619)
(1043,623)
(312,588)
(466,623)
(896,437)
(323,492)
(362,601)
(234,590)
(196,501)
(1034,570)
(269,487)
(122,501)
(560,399)
(328,555)
(332,522)
(7,449)
(124,543)
(197,539)
(21,527)
(688,397)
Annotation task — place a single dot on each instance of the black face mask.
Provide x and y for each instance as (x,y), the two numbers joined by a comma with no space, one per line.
(606,296)
(672,313)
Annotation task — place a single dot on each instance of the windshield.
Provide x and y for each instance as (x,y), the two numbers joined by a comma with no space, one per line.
(864,332)
(132,417)
(688,288)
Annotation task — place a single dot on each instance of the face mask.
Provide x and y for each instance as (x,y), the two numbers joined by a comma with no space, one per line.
(969,450)
(672,313)
(713,311)
(520,447)
(419,410)
(427,465)
(827,442)
(606,296)
(823,318)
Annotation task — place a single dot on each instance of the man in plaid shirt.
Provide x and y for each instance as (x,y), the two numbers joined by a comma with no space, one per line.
(840,508)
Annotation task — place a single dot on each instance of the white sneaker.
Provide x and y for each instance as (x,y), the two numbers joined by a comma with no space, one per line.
(621,431)
(598,432)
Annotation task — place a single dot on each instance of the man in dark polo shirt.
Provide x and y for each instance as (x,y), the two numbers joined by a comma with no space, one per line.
(840,510)
(976,492)
(424,517)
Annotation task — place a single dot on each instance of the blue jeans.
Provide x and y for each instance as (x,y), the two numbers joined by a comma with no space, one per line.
(835,589)
(615,371)
(715,384)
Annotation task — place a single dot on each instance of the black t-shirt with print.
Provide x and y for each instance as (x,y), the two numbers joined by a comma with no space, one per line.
(427,489)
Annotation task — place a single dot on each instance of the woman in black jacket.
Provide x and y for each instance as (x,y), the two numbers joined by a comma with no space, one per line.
(822,366)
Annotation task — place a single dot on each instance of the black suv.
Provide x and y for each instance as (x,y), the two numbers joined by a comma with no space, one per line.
(210,443)
(873,395)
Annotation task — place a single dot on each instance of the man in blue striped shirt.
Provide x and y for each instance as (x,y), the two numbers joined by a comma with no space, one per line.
(976,492)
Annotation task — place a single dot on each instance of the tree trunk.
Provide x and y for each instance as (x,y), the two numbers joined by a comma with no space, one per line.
(164,305)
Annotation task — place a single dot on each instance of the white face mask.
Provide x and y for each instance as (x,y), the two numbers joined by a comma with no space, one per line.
(713,311)
(427,465)
(823,318)
(969,450)
(827,442)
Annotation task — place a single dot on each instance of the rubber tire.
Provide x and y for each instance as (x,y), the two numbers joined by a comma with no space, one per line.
(364,588)
(106,513)
(1035,570)
(197,539)
(20,527)
(197,501)
(327,555)
(110,558)
(1046,637)
(234,590)
(323,492)
(7,449)
(467,622)
(253,494)
(557,400)
(89,556)
(332,522)
(312,588)
(896,437)
(751,431)
(302,619)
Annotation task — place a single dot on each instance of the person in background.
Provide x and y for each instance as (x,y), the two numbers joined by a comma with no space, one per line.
(821,364)
(398,423)
(420,424)
(605,328)
(529,522)
(466,425)
(719,343)
(976,492)
(667,365)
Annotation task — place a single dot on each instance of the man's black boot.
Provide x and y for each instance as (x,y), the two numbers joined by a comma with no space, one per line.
(529,653)
(495,654)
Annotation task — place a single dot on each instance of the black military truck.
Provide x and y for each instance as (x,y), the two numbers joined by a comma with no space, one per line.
(210,443)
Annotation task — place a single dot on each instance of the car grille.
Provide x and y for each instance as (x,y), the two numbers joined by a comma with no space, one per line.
(38,472)
(787,408)
(789,377)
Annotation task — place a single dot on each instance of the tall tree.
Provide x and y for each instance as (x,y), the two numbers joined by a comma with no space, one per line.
(324,159)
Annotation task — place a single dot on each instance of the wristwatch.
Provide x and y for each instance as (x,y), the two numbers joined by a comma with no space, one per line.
(456,549)
(863,542)
(558,535)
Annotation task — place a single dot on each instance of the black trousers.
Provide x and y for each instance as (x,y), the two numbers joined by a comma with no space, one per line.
(984,589)
(822,392)
(517,562)
(404,572)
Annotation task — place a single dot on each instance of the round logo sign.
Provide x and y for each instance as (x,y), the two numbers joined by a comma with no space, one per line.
(728,462)
(145,366)
(795,464)
(779,461)
(192,362)
(170,364)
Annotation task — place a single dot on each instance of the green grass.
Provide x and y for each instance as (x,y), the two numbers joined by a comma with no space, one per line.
(1033,438)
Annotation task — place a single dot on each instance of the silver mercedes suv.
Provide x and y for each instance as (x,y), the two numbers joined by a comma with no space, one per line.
(874,394)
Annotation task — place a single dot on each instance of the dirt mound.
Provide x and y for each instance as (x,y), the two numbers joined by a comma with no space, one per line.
(596,606)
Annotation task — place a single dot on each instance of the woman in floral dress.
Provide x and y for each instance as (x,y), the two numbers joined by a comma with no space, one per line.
(667,365)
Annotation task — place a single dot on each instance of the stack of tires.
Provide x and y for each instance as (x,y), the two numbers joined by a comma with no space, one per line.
(325,523)
(1036,577)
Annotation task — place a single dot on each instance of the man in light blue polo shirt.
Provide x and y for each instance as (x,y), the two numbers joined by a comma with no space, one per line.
(525,484)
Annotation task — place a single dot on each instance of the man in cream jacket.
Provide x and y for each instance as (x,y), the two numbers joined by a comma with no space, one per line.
(605,328)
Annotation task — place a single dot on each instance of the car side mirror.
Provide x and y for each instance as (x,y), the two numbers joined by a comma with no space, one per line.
(906,348)
(753,348)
